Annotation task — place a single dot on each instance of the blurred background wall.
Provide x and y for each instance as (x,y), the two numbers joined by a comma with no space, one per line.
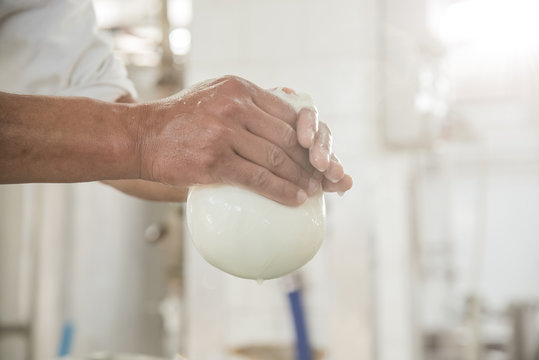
(434,254)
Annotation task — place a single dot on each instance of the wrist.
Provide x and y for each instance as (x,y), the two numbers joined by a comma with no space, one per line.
(131,117)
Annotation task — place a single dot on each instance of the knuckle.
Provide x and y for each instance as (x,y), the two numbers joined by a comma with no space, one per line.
(217,133)
(234,82)
(260,179)
(299,176)
(228,107)
(215,147)
(289,137)
(276,157)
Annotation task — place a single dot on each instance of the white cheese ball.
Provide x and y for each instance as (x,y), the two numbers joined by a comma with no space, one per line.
(250,236)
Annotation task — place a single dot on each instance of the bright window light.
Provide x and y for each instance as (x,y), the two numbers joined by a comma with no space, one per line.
(180,41)
(180,12)
(498,29)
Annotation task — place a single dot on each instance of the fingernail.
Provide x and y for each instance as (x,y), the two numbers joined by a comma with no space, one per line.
(302,196)
(324,151)
(320,168)
(311,135)
(288,90)
(313,186)
(333,180)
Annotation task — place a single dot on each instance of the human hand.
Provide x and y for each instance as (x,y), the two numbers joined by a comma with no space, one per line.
(316,136)
(229,130)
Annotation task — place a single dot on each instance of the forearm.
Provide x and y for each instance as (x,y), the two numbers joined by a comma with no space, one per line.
(225,130)
(63,139)
(149,190)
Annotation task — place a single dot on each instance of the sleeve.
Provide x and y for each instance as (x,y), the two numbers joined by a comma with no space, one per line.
(62,53)
(96,73)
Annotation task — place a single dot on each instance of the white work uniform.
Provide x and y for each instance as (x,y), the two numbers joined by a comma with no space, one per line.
(72,238)
(52,47)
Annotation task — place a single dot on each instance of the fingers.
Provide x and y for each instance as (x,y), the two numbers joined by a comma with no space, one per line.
(279,133)
(335,171)
(273,158)
(265,183)
(288,90)
(274,106)
(275,151)
(313,135)
(241,89)
(321,149)
(341,186)
(307,126)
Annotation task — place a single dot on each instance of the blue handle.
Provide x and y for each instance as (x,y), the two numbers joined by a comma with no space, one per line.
(303,349)
(66,339)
